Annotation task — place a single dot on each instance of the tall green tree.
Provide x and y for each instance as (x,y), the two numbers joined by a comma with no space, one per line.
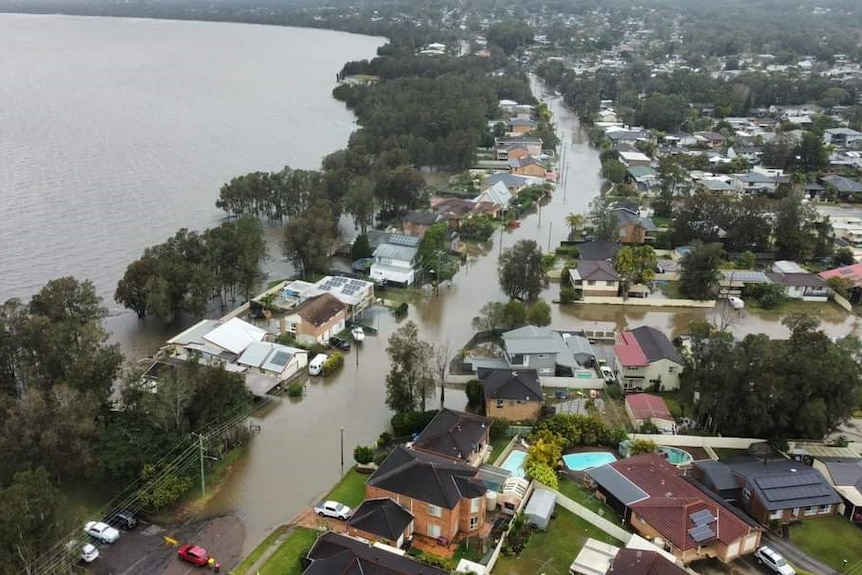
(360,202)
(700,275)
(433,255)
(310,238)
(520,270)
(411,378)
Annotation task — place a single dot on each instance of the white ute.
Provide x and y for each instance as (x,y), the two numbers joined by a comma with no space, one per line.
(332,509)
(773,561)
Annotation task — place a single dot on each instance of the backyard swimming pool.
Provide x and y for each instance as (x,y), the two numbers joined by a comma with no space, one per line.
(674,455)
(514,462)
(584,461)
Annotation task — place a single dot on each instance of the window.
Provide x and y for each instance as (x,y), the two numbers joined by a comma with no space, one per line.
(520,402)
(591,282)
(746,493)
(475,505)
(811,510)
(433,531)
(543,356)
(474,522)
(824,509)
(500,404)
(776,514)
(671,369)
(434,511)
(610,283)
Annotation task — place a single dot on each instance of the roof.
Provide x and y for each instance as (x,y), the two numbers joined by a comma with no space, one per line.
(842,184)
(786,483)
(426,477)
(655,345)
(509,180)
(645,406)
(594,558)
(382,517)
(627,217)
(641,171)
(395,252)
(852,273)
(797,280)
(235,335)
(454,434)
(594,270)
(682,513)
(629,351)
(422,218)
(844,471)
(334,553)
(617,484)
(320,310)
(633,156)
(195,333)
(638,562)
(744,276)
(617,135)
(598,250)
(268,356)
(520,385)
(348,290)
(579,344)
(498,194)
(718,475)
(788,267)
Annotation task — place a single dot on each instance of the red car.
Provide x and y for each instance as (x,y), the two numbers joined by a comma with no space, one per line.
(194,554)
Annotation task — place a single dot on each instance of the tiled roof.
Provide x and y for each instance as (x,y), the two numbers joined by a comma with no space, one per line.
(319,310)
(453,434)
(629,351)
(598,250)
(639,562)
(673,500)
(852,273)
(646,406)
(507,384)
(596,270)
(382,517)
(655,344)
(334,553)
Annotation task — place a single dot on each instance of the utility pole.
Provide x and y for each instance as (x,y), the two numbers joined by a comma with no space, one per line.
(342,451)
(550,228)
(201,449)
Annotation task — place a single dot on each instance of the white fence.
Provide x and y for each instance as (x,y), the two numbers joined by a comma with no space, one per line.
(698,441)
(648,302)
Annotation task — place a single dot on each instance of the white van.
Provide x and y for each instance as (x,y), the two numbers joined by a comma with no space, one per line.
(315,366)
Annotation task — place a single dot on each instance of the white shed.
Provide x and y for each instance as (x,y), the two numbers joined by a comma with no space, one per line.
(540,508)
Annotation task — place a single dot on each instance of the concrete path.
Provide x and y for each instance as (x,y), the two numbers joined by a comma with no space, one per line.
(796,556)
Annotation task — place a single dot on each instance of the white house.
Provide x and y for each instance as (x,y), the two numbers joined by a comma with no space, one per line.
(798,283)
(395,260)
(211,340)
(497,194)
(273,359)
(646,357)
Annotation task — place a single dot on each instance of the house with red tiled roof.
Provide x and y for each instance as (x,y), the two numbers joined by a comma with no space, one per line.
(645,408)
(665,507)
(852,276)
(645,357)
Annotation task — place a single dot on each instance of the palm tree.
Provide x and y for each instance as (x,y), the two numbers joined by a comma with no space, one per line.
(576,223)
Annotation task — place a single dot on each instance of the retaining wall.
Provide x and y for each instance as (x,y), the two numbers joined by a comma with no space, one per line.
(698,441)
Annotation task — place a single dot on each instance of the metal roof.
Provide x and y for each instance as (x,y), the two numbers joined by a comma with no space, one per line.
(620,487)
(785,484)
(395,252)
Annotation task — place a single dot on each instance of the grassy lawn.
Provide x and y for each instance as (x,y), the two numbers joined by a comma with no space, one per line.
(246,563)
(831,540)
(350,490)
(552,551)
(671,399)
(577,493)
(661,221)
(670,290)
(285,561)
(499,445)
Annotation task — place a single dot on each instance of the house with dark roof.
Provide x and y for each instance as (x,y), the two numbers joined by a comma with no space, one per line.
(784,491)
(645,357)
(456,435)
(639,562)
(381,520)
(334,553)
(514,395)
(845,476)
(632,228)
(844,187)
(416,223)
(661,505)
(798,282)
(646,408)
(444,496)
(718,478)
(595,278)
(598,250)
(316,320)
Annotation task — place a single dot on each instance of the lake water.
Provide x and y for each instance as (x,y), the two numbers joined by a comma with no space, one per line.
(114,133)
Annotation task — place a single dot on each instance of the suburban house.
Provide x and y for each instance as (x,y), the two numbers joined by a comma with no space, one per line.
(497,195)
(532,144)
(622,136)
(381,520)
(443,495)
(528,166)
(646,408)
(416,223)
(356,294)
(639,557)
(336,553)
(663,506)
(646,357)
(215,341)
(845,476)
(634,159)
(844,187)
(316,320)
(595,278)
(273,359)
(520,125)
(512,395)
(784,491)
(513,182)
(515,152)
(455,435)
(598,250)
(538,348)
(394,260)
(842,137)
(798,283)
(732,282)
(632,228)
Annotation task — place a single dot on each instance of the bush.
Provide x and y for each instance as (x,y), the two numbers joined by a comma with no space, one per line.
(519,534)
(384,439)
(568,294)
(568,251)
(401,310)
(768,296)
(543,474)
(295,389)
(410,422)
(363,455)
(381,456)
(499,428)
(333,363)
(474,393)
(639,446)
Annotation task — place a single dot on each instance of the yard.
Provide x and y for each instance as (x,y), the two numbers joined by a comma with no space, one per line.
(498,445)
(350,490)
(580,495)
(552,551)
(286,559)
(833,540)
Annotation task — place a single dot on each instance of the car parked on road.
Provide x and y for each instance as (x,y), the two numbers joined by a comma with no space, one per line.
(332,509)
(772,560)
(193,554)
(123,519)
(101,531)
(339,343)
(87,552)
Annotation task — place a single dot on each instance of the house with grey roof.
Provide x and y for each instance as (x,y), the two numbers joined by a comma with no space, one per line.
(595,278)
(598,250)
(798,282)
(844,187)
(732,282)
(336,553)
(632,228)
(497,195)
(513,182)
(844,474)
(842,137)
(515,395)
(395,260)
(538,348)
(456,435)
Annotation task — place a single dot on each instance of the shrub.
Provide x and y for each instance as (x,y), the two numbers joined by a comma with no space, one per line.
(499,428)
(401,310)
(565,278)
(363,455)
(639,446)
(519,534)
(381,456)
(768,296)
(568,294)
(569,251)
(546,448)
(543,474)
(384,439)
(410,422)
(295,389)
(333,363)
(474,393)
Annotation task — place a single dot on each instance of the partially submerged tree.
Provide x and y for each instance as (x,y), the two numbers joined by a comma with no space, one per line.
(700,275)
(411,378)
(309,239)
(520,270)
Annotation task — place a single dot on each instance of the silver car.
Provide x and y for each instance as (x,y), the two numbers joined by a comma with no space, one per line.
(101,531)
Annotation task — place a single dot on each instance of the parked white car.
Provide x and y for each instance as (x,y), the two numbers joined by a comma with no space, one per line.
(772,560)
(608,374)
(101,531)
(735,302)
(86,551)
(332,509)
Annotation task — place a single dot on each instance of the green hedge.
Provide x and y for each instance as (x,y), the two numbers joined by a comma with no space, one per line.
(410,422)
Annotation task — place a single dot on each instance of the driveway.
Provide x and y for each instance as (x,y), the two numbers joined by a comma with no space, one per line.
(144,551)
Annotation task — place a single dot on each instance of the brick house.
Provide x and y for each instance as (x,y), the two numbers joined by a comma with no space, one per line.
(455,435)
(417,223)
(512,395)
(316,320)
(444,496)
(632,228)
(663,506)
(381,520)
(528,166)
(336,553)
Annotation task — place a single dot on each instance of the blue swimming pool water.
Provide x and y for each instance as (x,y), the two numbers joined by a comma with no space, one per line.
(582,461)
(514,462)
(674,455)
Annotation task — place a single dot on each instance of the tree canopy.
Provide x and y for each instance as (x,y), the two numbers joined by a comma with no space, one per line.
(411,379)
(520,270)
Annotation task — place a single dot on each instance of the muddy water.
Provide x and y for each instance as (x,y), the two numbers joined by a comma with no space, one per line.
(298,454)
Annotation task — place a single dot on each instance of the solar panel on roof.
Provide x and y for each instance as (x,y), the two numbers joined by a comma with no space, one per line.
(788,480)
(280,358)
(701,533)
(702,517)
(796,493)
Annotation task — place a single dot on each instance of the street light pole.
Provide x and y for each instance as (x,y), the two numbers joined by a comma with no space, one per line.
(342,451)
(201,449)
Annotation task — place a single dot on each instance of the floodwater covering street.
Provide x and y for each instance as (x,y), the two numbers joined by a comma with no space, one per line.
(298,454)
